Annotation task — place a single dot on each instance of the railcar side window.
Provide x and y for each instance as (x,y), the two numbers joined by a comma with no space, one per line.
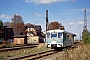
(69,37)
(59,35)
(48,35)
(53,35)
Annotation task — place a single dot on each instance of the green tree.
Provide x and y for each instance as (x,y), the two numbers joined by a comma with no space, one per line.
(86,36)
(1,26)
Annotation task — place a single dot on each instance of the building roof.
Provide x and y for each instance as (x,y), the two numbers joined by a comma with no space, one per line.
(38,27)
(31,26)
(16,32)
(7,27)
(19,36)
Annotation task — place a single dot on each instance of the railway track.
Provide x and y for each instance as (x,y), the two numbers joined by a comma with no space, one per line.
(37,56)
(33,56)
(16,48)
(75,44)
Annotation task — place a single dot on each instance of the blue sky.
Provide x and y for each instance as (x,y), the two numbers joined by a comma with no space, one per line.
(68,12)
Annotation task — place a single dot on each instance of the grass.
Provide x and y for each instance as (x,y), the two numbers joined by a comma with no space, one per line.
(82,52)
(9,45)
(24,51)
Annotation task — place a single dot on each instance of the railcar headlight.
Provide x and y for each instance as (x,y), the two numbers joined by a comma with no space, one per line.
(60,45)
(48,44)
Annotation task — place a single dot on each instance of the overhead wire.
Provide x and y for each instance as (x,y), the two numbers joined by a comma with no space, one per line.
(29,8)
(18,6)
(24,9)
(50,8)
(7,8)
(34,10)
(59,10)
(53,10)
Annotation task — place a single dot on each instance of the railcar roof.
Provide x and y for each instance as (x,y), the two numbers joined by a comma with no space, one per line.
(58,30)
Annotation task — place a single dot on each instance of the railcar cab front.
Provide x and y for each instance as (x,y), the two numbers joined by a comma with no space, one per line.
(54,38)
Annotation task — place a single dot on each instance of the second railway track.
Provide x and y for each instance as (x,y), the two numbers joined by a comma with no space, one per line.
(33,56)
(16,48)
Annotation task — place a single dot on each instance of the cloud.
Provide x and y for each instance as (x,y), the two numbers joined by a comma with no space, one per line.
(88,9)
(74,27)
(47,1)
(71,23)
(81,22)
(76,23)
(37,14)
(5,16)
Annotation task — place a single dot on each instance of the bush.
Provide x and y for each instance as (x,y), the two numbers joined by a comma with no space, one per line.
(86,37)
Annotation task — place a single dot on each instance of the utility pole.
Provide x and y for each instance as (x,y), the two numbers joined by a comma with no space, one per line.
(80,33)
(85,21)
(47,20)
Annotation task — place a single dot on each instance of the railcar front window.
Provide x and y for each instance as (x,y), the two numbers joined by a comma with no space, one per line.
(53,35)
(59,35)
(48,35)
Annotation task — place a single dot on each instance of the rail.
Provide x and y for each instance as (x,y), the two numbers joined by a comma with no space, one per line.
(33,56)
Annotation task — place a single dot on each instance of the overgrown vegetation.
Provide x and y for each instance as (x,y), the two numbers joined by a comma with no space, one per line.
(24,51)
(1,25)
(86,37)
(80,53)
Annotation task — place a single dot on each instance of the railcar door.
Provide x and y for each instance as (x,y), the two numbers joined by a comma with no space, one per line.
(48,36)
(64,39)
